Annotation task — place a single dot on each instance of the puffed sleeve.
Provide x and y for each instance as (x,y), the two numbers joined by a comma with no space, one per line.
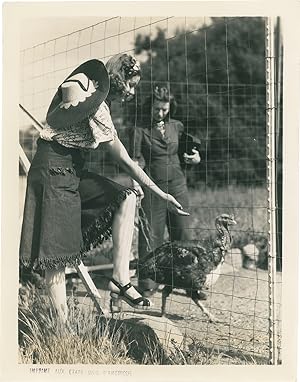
(179,127)
(101,125)
(135,145)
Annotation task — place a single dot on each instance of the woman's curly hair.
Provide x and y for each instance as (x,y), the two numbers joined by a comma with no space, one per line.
(121,67)
(160,92)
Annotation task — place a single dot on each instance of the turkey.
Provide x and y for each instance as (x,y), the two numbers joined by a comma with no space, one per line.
(189,265)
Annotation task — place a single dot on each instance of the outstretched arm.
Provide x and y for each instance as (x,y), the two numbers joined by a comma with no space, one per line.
(120,155)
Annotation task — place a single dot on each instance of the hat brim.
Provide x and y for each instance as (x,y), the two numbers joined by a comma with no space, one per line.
(60,117)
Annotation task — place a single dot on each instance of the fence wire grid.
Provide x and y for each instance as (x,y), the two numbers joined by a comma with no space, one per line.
(215,68)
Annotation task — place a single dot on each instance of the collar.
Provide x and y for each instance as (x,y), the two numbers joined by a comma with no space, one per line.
(153,132)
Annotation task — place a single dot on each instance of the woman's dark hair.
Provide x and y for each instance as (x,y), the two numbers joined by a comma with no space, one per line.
(121,67)
(160,92)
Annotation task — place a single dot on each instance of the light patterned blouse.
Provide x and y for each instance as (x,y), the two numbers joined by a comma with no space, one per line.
(87,134)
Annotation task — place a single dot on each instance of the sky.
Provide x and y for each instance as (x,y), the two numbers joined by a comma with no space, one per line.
(37,31)
(41,30)
(52,47)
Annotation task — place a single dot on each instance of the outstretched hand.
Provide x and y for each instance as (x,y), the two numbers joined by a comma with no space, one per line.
(174,206)
(139,192)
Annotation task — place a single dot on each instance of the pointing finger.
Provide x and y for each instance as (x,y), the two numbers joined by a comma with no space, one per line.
(183,213)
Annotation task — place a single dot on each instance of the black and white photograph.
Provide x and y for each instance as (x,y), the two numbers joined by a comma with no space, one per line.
(149,212)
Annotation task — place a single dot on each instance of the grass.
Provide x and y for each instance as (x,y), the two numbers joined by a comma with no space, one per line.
(249,205)
(84,341)
(90,340)
(196,354)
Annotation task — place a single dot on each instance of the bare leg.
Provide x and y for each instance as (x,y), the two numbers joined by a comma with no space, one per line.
(56,285)
(122,234)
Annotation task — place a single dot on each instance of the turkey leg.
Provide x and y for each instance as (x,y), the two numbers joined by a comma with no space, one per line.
(165,294)
(210,316)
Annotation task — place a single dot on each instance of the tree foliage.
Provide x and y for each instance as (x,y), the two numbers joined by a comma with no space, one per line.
(217,74)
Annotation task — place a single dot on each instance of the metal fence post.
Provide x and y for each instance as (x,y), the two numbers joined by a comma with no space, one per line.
(271,183)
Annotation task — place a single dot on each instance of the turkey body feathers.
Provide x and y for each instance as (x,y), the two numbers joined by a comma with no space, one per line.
(187,264)
(181,264)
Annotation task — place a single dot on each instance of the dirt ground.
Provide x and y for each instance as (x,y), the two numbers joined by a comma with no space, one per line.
(239,302)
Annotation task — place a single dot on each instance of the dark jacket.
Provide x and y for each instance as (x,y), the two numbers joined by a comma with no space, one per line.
(157,155)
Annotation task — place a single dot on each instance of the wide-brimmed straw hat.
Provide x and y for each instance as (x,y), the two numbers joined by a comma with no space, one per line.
(79,95)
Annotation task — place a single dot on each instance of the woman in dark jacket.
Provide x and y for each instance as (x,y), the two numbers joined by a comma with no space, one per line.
(155,147)
(68,209)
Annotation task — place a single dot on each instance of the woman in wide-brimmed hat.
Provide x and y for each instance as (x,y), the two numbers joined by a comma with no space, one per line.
(68,209)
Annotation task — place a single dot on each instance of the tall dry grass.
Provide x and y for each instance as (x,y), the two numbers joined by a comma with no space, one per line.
(85,340)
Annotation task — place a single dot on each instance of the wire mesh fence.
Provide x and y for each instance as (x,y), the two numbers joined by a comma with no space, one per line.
(215,68)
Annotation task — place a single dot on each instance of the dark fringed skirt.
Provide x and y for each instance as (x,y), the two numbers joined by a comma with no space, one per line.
(68,210)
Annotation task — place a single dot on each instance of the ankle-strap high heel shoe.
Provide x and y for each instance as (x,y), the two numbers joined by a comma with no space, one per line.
(117,297)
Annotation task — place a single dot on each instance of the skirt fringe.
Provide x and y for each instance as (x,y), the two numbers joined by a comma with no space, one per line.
(101,228)
(93,235)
